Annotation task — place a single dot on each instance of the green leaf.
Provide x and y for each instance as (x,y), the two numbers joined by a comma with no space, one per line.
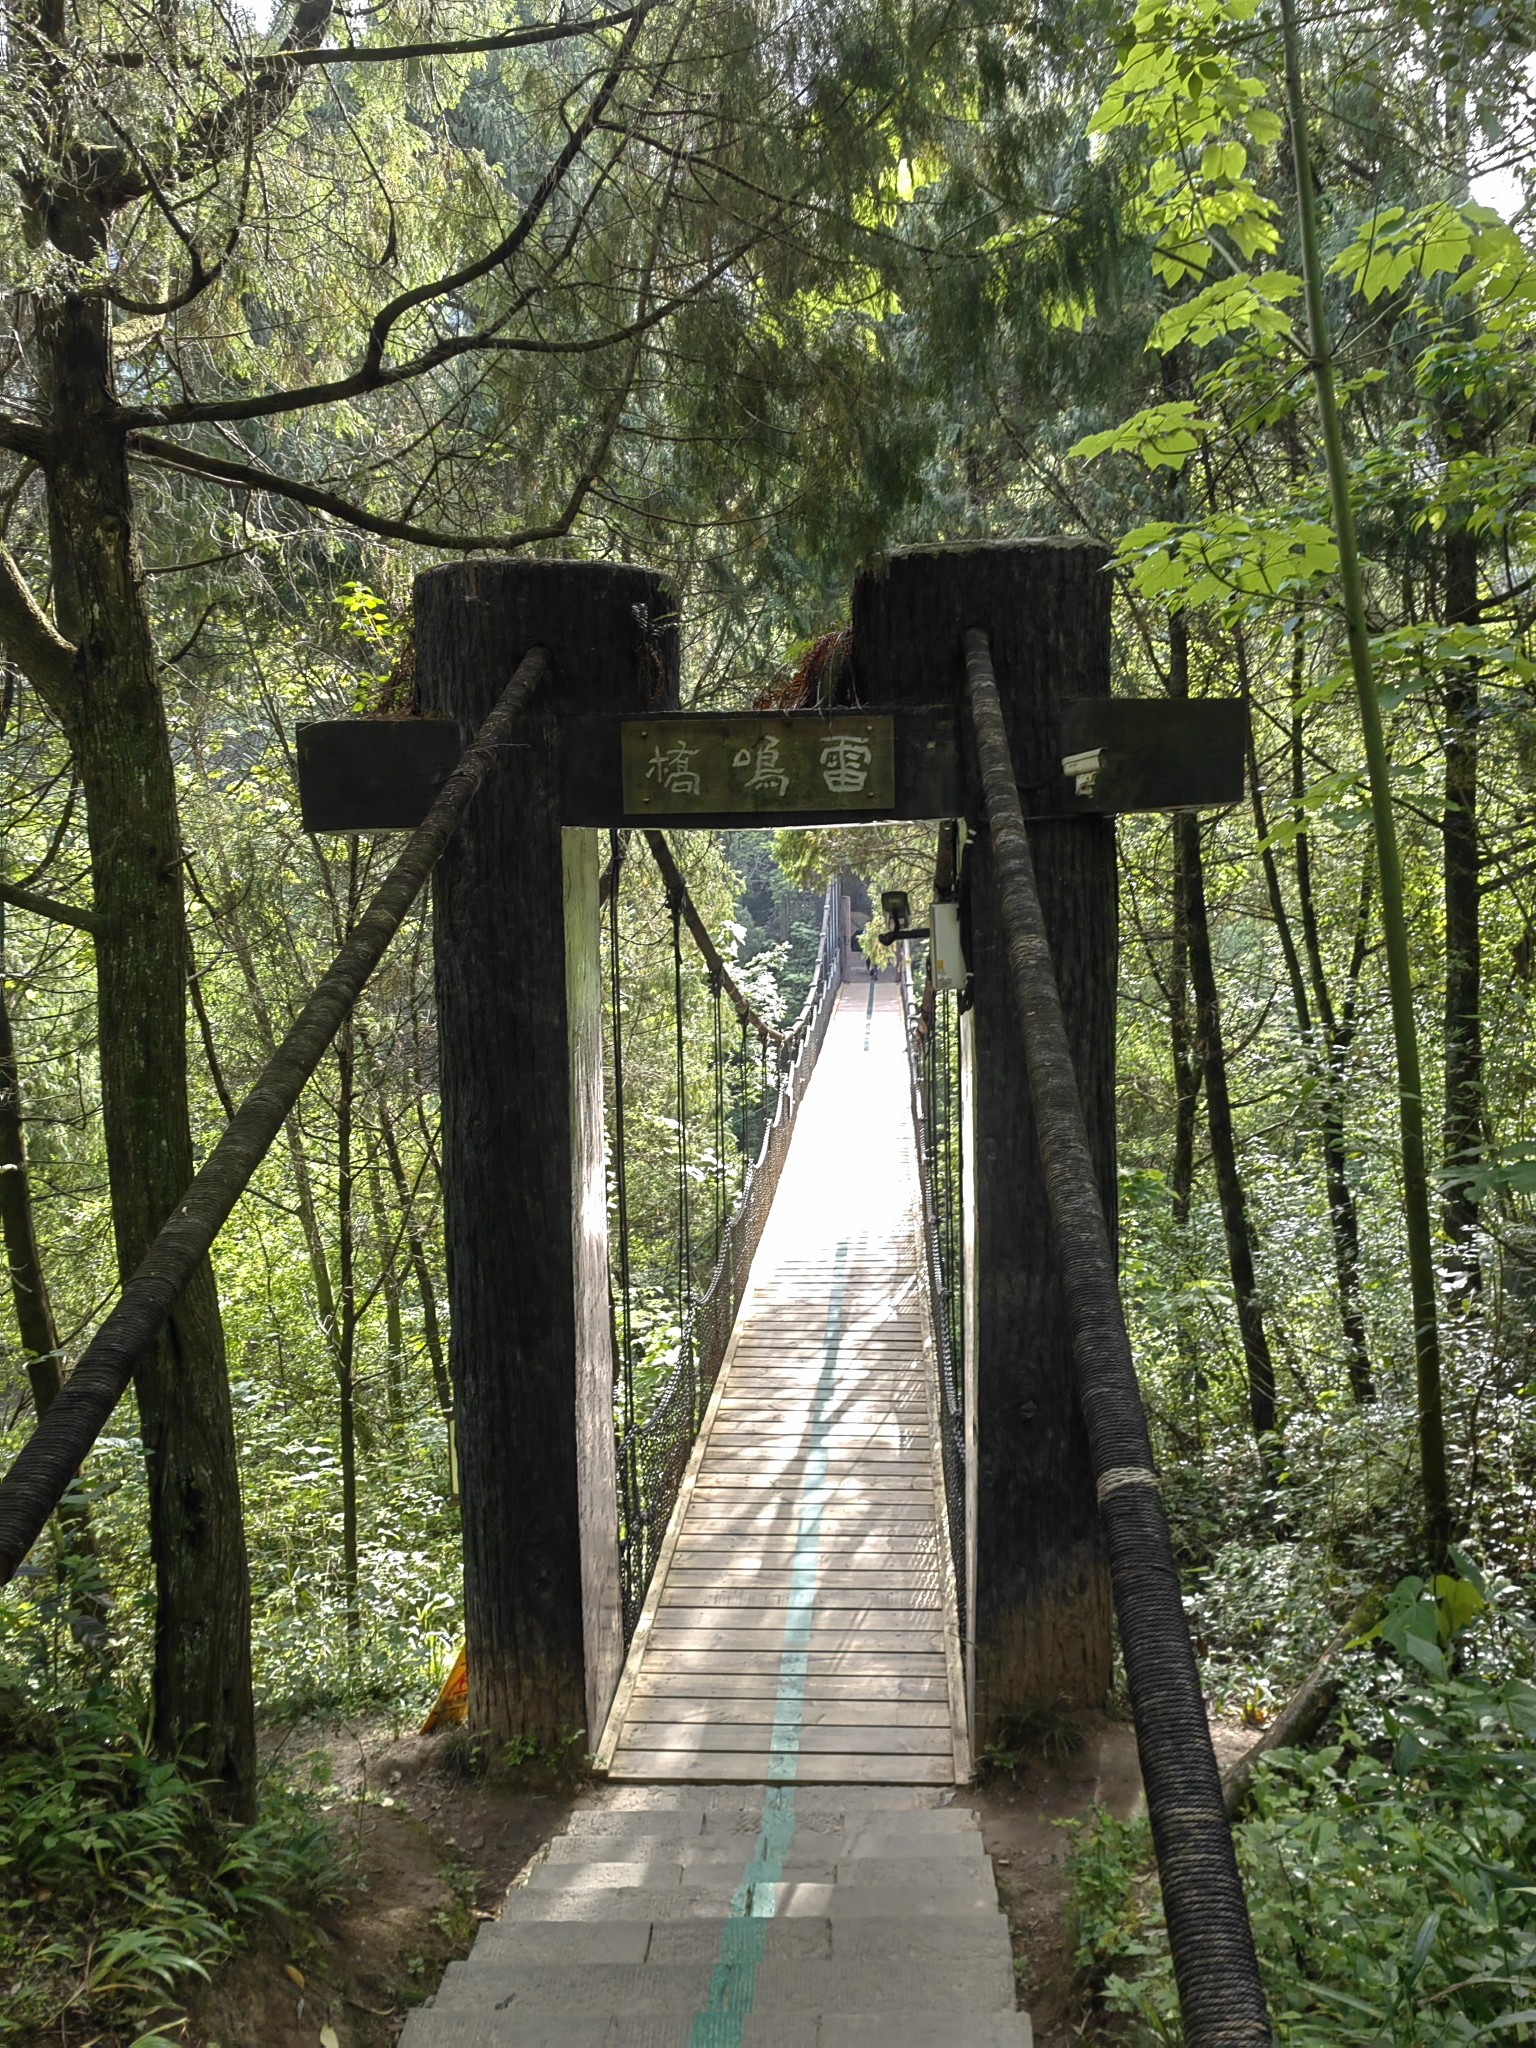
(1424,1940)
(1459,1603)
(1234,305)
(1163,436)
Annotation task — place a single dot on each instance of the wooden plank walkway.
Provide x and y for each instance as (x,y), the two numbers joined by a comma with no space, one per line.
(801,1625)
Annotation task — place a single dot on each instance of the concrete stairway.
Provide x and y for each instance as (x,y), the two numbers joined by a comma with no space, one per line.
(817,1916)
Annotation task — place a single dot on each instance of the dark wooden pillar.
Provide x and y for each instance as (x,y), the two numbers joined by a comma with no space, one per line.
(519,1026)
(1039,1582)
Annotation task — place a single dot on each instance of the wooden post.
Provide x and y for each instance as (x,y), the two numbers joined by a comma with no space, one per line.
(1039,1583)
(519,1025)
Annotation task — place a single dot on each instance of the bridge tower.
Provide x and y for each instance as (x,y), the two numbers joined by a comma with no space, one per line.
(521,1064)
(1038,1631)
(519,1027)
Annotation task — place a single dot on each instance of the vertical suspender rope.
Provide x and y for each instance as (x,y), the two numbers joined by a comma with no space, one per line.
(1221,1998)
(952,1089)
(944,1131)
(741,1107)
(620,1156)
(716,986)
(684,1235)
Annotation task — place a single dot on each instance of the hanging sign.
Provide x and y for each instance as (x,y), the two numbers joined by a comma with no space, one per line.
(684,766)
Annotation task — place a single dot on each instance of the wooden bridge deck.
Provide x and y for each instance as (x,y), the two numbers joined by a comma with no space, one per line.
(801,1624)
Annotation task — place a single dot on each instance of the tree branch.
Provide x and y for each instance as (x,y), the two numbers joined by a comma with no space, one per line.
(372,374)
(393,53)
(473,46)
(242,476)
(49,907)
(360,383)
(23,438)
(35,642)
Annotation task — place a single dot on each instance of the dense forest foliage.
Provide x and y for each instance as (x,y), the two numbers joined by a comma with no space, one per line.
(293,308)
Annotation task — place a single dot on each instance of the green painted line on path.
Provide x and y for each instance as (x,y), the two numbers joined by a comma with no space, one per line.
(744,1937)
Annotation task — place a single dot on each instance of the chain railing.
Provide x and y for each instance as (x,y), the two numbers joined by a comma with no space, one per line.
(931,1071)
(653,1454)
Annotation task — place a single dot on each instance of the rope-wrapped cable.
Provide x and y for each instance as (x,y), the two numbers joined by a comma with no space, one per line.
(1221,1998)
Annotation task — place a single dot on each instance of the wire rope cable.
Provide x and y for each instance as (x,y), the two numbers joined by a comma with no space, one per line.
(616,851)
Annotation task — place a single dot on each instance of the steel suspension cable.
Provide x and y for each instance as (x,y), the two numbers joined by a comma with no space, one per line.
(616,851)
(719,1174)
(680,1079)
(48,1461)
(952,1130)
(672,876)
(656,1454)
(1221,1997)
(741,1105)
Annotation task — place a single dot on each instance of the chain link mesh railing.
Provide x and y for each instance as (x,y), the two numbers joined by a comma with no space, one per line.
(654,1455)
(931,1069)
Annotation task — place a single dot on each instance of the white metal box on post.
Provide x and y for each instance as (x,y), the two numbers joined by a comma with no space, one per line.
(949,968)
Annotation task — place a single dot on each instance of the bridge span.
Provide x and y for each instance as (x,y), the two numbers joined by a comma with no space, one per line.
(801,1624)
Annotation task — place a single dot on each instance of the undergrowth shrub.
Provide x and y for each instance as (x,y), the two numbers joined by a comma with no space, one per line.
(1391,1876)
(118,1883)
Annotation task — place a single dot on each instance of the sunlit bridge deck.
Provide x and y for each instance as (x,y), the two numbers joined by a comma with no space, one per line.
(801,1623)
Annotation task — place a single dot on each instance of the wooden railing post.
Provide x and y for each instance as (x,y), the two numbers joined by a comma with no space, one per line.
(520,1055)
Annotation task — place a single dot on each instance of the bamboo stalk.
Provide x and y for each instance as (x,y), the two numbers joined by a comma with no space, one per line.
(1410,1084)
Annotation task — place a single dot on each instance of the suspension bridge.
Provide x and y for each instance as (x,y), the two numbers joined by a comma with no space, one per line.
(898,1473)
(801,1623)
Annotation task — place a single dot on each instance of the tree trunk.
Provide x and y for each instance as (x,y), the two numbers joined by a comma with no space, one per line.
(1322,1052)
(389,1284)
(416,1251)
(345,1336)
(1186,1067)
(1338,1029)
(114,720)
(90,1620)
(1212,1053)
(1186,1090)
(1434,1474)
(24,1260)
(1463,1134)
(326,1309)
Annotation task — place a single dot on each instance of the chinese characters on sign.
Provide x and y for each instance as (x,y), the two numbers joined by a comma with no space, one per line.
(795,764)
(673,771)
(763,762)
(845,765)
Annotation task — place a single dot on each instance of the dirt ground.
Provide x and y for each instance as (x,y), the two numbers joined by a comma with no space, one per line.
(435,1849)
(1020,1815)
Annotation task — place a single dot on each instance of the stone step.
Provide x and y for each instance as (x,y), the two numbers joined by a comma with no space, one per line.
(942,1985)
(646,1835)
(427,2028)
(692,1902)
(882,1932)
(723,1874)
(694,1941)
(722,1798)
(835,1846)
(670,1823)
